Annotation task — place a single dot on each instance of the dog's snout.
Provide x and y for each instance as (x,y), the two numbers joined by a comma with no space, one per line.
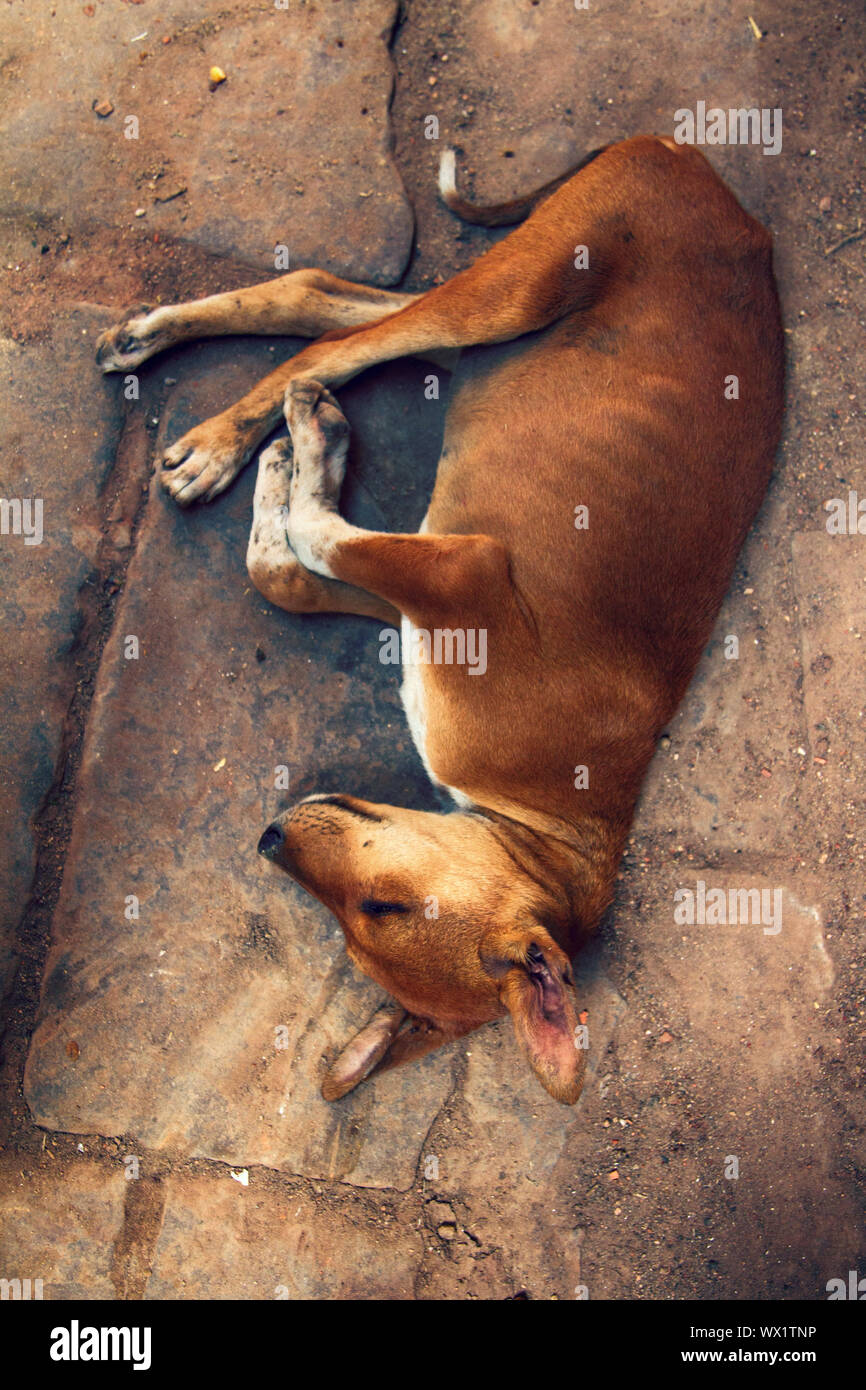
(270,842)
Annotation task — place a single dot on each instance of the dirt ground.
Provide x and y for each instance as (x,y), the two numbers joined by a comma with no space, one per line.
(154,1141)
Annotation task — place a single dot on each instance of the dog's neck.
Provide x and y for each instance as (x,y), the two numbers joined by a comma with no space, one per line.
(574,866)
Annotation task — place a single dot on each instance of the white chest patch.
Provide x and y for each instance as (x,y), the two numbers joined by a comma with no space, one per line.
(412,695)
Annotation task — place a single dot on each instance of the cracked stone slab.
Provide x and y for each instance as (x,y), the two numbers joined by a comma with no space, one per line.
(238,170)
(220,1240)
(61,1227)
(204,1024)
(56,448)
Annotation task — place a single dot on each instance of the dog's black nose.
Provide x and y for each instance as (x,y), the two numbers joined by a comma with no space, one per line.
(271,841)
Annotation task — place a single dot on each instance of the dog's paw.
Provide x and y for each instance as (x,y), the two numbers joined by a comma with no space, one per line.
(276,462)
(131,342)
(274,478)
(202,464)
(320,438)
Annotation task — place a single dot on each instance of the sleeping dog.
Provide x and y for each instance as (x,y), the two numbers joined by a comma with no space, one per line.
(615,408)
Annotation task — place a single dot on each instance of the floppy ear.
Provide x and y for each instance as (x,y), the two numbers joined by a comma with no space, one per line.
(536,988)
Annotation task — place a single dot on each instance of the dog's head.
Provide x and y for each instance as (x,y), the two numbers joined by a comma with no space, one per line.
(438,911)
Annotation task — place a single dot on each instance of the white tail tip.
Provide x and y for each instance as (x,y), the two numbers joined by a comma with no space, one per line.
(448,174)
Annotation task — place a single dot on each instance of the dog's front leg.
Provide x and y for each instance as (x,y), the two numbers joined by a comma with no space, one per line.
(272,564)
(419,574)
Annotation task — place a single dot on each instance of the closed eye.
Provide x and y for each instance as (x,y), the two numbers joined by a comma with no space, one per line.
(376,907)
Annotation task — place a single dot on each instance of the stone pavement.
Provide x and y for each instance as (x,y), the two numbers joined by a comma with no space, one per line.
(168,1001)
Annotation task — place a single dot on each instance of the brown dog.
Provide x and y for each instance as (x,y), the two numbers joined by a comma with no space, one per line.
(610,435)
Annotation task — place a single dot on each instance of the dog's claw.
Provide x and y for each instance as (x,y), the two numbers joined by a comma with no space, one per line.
(168,462)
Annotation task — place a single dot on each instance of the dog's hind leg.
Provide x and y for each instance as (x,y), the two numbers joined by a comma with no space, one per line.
(305,303)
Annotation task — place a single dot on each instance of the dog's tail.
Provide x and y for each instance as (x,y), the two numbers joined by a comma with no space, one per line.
(499,214)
